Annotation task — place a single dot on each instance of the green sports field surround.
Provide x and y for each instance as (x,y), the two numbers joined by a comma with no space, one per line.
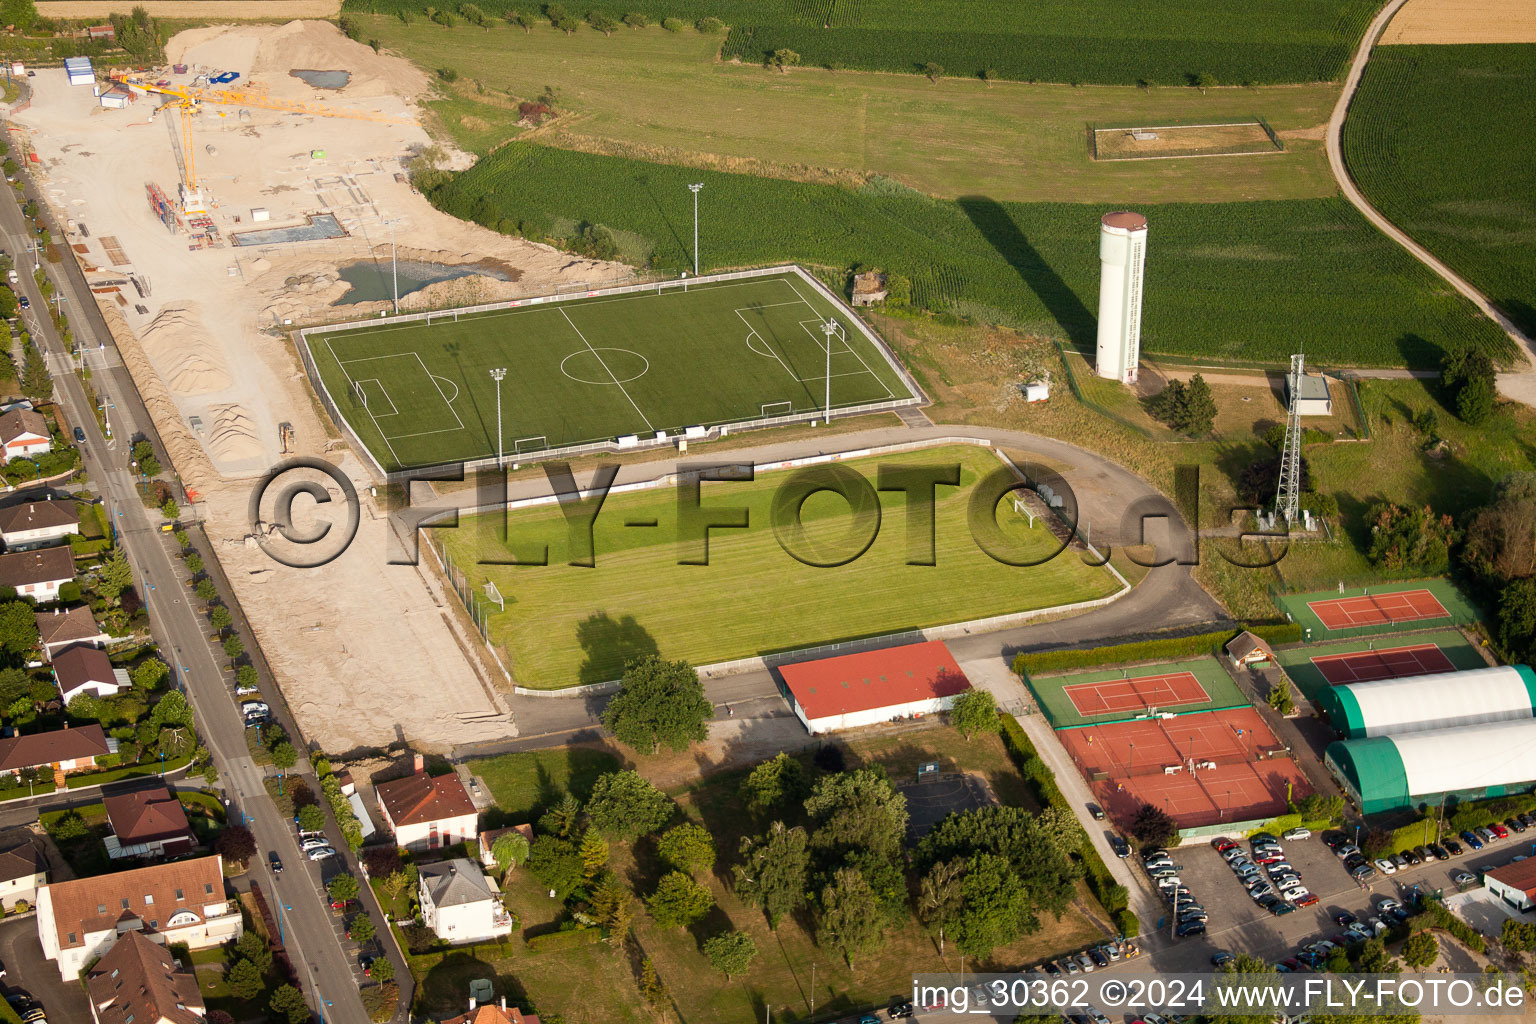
(1051,694)
(596,369)
(1298,665)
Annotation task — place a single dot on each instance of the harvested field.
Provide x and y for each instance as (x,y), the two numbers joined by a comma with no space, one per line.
(1172,141)
(1463,21)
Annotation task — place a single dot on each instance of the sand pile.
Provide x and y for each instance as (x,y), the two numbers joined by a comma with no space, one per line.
(321,46)
(232,437)
(180,346)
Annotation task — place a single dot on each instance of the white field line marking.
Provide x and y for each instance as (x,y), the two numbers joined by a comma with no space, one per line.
(384,394)
(604,365)
(422,363)
(350,384)
(888,392)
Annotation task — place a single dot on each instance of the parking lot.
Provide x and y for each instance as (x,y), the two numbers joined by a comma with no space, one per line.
(27,971)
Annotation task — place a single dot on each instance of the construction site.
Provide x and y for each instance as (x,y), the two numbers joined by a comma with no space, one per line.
(215,203)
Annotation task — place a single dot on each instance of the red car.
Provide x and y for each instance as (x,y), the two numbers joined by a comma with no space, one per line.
(1308,900)
(1499,830)
(1221,844)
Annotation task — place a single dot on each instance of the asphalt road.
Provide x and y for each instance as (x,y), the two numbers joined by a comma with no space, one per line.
(181,631)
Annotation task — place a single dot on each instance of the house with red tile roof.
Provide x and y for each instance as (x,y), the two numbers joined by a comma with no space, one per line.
(59,628)
(488,1014)
(140,982)
(23,432)
(148,823)
(427,812)
(57,751)
(37,574)
(82,669)
(36,524)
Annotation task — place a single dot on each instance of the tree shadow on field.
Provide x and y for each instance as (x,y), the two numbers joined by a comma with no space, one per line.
(610,644)
(999,229)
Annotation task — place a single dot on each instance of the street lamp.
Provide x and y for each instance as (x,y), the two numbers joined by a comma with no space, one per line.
(497,375)
(394,267)
(829,328)
(695,189)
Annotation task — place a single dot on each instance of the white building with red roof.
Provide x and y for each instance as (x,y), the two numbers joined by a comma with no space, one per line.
(855,690)
(427,812)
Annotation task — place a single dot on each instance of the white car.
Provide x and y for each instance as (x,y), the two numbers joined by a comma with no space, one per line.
(1294,893)
(256,707)
(1296,833)
(314,844)
(1385,866)
(246,691)
(321,853)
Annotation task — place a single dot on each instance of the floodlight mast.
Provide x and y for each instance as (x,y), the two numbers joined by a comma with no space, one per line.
(695,189)
(828,328)
(497,374)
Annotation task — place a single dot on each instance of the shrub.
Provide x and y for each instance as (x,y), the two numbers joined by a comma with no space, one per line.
(710,25)
(674,24)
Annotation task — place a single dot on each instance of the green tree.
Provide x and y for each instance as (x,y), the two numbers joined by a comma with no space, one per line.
(206,590)
(773,871)
(1204,80)
(731,953)
(688,848)
(247,676)
(170,510)
(7,297)
(568,24)
(193,562)
(288,1001)
(361,929)
(149,674)
(1500,543)
(67,826)
(612,904)
(114,577)
(1517,620)
(594,854)
(284,757)
(1152,826)
(220,618)
(1469,378)
(776,781)
(244,980)
(556,863)
(342,888)
(1519,936)
(602,22)
(18,628)
(858,809)
(624,806)
(784,59)
(1199,407)
(35,381)
(658,702)
(997,909)
(1420,950)
(940,898)
(847,918)
(1412,538)
(1062,831)
(171,710)
(653,988)
(933,72)
(974,711)
(1280,698)
(509,850)
(635,19)
(522,20)
(383,969)
(235,843)
(311,818)
(253,947)
(561,819)
(233,647)
(679,901)
(1171,403)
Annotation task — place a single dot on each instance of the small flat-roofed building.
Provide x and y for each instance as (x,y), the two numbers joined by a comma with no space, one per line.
(853,690)
(1313,396)
(1515,884)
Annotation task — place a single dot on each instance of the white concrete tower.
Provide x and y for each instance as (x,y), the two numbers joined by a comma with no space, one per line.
(1122,265)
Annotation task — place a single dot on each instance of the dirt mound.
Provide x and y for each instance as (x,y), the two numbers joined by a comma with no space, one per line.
(181,348)
(232,437)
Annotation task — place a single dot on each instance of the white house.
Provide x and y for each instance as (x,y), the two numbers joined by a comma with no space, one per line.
(427,812)
(855,690)
(22,870)
(182,901)
(37,574)
(24,432)
(1515,884)
(38,524)
(59,628)
(79,670)
(460,904)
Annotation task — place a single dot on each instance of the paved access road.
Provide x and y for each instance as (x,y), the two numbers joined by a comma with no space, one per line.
(180,629)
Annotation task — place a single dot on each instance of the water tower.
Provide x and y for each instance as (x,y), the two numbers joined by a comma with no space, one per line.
(1122,265)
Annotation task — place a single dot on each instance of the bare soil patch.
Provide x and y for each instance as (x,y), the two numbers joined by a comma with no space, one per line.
(1463,21)
(211,10)
(1138,143)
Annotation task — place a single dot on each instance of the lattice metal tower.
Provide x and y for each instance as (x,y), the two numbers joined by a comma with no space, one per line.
(1288,496)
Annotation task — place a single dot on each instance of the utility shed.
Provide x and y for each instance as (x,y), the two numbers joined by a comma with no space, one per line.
(1314,397)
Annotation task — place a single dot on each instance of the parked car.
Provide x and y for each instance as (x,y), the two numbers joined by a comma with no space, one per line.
(1346,851)
(256,707)
(321,853)
(246,691)
(1051,969)
(1360,872)
(1452,847)
(1487,835)
(1527,820)
(1281,908)
(1099,959)
(899,1010)
(1295,893)
(1499,830)
(1309,900)
(1425,854)
(1071,965)
(1463,877)
(1385,866)
(1189,928)
(1399,861)
(1221,844)
(79,436)
(24,302)
(1154,854)
(313,844)
(1296,833)
(1439,851)
(1096,811)
(1472,839)
(1221,958)
(1120,846)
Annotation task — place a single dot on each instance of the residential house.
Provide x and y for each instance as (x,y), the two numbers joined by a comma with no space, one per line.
(80,670)
(488,1014)
(488,841)
(460,904)
(59,751)
(23,432)
(181,901)
(427,812)
(1247,649)
(140,982)
(59,628)
(37,574)
(22,870)
(1514,883)
(149,823)
(38,524)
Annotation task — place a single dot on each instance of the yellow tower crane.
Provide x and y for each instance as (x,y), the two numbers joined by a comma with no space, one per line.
(187,100)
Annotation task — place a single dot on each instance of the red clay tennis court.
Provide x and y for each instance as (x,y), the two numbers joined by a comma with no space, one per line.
(1378,609)
(1200,768)
(1112,695)
(1391,663)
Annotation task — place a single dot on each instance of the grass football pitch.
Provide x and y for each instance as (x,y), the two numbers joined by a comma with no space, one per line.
(564,625)
(595,369)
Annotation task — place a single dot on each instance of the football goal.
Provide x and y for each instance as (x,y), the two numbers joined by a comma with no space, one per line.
(777,409)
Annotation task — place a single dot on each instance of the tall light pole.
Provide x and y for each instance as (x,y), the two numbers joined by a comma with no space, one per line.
(394,267)
(497,374)
(829,328)
(695,189)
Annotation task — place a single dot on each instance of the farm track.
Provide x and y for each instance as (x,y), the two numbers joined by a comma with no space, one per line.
(1521,385)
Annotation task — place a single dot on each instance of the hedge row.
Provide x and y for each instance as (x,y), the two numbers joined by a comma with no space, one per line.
(129,772)
(1158,649)
(1471,814)
(1112,896)
(571,938)
(1436,916)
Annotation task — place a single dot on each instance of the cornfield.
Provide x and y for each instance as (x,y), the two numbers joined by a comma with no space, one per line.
(1098,41)
(1439,139)
(1250,281)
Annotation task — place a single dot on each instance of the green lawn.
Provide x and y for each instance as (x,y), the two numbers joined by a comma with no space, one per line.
(1224,280)
(1439,140)
(1050,40)
(661,93)
(596,369)
(565,625)
(523,783)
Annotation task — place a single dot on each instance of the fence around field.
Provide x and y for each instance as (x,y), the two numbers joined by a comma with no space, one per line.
(713,430)
(1294,601)
(478,606)
(1229,149)
(1049,691)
